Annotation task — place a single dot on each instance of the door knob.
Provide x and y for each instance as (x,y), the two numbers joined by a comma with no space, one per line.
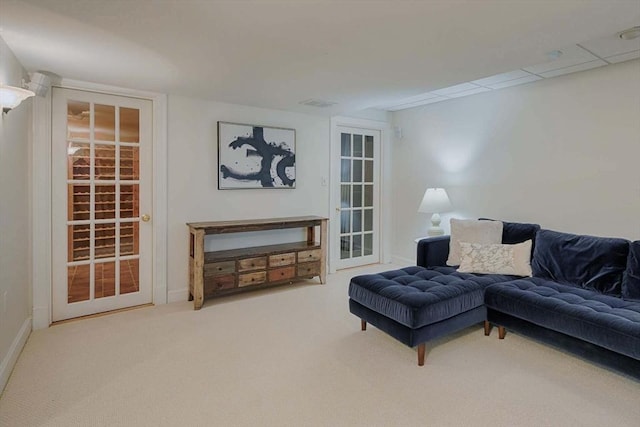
(146,217)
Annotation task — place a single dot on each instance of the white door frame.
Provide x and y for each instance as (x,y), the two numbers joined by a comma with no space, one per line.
(41,195)
(385,194)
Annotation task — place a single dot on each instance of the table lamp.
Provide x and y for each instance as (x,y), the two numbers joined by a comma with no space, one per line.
(435,201)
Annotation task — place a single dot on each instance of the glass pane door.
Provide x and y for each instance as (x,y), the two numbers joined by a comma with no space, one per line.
(101,150)
(103,200)
(358,198)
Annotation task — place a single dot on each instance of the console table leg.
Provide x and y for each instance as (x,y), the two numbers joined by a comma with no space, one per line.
(198,270)
(501,332)
(363,325)
(198,300)
(421,351)
(323,248)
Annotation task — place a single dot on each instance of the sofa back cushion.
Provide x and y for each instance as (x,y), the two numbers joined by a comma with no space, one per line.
(631,279)
(517,232)
(589,262)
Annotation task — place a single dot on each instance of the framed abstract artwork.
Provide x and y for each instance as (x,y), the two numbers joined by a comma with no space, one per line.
(251,156)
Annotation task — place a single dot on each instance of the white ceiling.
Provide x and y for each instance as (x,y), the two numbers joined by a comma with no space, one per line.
(357,53)
(570,59)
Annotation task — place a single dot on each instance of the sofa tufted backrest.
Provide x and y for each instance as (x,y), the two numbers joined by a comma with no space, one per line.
(596,263)
(631,279)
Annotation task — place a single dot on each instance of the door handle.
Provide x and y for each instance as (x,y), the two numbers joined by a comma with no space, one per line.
(145,218)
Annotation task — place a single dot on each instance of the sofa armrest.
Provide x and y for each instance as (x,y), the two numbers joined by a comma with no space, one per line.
(433,251)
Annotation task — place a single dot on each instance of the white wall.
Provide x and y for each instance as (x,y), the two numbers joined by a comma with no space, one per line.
(371,114)
(561,152)
(15,265)
(192,175)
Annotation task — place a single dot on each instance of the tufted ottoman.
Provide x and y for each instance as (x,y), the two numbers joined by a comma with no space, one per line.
(416,304)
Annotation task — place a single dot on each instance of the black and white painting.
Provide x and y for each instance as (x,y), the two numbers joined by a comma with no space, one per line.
(255,156)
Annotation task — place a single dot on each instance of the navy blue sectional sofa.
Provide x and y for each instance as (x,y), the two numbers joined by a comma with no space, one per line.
(584,296)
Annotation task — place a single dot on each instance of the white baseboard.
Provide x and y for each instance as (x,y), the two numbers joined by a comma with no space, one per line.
(178,295)
(11,358)
(395,259)
(41,318)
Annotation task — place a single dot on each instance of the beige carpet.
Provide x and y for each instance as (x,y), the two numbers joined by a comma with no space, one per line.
(295,356)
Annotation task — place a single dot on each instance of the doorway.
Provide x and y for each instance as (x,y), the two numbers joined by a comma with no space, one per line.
(356,223)
(101,202)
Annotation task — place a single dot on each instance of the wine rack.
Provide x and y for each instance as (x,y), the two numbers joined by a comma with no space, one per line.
(111,198)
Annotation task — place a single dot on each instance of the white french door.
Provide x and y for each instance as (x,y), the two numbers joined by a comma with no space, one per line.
(356,224)
(101,202)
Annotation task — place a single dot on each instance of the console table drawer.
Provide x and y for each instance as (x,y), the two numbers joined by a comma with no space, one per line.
(249,264)
(309,269)
(307,256)
(218,268)
(218,283)
(282,259)
(283,273)
(250,279)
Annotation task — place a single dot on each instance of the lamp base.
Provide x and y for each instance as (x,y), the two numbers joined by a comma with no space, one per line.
(435,229)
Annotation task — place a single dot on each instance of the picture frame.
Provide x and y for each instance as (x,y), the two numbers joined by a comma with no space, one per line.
(255,157)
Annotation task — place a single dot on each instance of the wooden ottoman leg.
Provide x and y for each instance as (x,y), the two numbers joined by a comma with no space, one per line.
(363,324)
(501,332)
(421,351)
(487,328)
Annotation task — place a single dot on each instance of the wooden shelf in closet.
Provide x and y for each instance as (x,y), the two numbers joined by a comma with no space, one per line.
(106,172)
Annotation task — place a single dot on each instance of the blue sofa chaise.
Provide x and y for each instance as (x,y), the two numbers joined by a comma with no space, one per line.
(584,296)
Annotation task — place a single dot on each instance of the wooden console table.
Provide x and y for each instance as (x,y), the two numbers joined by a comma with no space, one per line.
(231,271)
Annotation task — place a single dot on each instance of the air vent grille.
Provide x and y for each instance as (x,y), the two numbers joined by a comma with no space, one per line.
(318,103)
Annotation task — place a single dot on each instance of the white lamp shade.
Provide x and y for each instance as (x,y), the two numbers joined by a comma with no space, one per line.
(11,97)
(435,200)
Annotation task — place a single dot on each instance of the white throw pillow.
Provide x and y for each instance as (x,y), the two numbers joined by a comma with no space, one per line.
(496,258)
(471,231)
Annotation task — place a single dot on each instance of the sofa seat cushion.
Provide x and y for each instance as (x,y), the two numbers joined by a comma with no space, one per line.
(416,296)
(603,320)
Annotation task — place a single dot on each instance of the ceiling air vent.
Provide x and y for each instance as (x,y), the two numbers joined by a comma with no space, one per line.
(318,103)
